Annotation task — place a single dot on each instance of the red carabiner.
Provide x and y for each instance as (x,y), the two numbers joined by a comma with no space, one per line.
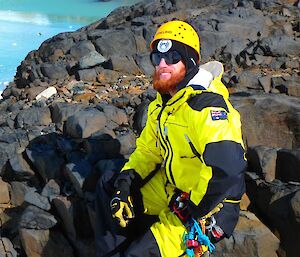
(192,243)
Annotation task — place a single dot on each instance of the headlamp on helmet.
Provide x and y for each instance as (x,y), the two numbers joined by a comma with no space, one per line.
(178,31)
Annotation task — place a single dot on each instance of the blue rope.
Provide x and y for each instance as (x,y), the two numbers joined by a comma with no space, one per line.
(203,239)
(190,252)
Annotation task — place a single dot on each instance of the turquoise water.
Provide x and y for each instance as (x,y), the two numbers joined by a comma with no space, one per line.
(25,24)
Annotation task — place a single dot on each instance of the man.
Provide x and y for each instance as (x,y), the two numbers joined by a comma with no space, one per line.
(187,171)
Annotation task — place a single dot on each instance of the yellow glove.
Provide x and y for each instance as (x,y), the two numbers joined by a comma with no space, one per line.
(121,204)
(122,208)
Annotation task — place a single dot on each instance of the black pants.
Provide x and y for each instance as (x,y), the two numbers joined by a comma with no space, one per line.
(112,240)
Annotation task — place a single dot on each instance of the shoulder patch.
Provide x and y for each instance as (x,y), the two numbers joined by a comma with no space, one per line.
(218,115)
(207,99)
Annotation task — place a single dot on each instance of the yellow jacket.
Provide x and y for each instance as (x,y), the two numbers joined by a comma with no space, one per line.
(196,137)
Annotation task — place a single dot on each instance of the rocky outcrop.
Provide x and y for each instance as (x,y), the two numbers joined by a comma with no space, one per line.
(250,238)
(78,103)
(277,204)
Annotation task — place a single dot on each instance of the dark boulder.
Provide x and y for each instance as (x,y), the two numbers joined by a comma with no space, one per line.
(84,123)
(33,117)
(45,160)
(81,49)
(54,71)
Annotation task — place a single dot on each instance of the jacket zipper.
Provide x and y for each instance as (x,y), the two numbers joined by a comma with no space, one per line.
(162,142)
(158,128)
(195,152)
(167,143)
(171,158)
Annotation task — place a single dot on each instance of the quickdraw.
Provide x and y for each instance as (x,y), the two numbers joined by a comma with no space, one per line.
(195,239)
(214,229)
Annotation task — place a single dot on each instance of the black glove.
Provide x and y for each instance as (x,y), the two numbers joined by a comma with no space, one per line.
(121,204)
(178,205)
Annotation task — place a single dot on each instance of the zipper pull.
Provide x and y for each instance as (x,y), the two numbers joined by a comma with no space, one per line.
(163,163)
(166,131)
(187,138)
(193,148)
(157,136)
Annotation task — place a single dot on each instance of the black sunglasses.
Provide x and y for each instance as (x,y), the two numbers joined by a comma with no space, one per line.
(171,57)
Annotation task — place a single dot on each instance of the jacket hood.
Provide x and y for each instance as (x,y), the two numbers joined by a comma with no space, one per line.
(215,84)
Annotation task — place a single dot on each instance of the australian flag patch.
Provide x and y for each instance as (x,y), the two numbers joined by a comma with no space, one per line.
(218,115)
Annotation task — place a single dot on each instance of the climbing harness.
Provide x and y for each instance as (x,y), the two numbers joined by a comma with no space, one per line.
(196,238)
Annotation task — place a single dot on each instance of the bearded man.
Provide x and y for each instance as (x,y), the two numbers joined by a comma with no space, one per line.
(179,192)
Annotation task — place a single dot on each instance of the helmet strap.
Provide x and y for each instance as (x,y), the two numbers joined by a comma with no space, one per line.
(189,57)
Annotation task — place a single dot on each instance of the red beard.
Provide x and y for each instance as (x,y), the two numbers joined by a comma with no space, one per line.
(165,86)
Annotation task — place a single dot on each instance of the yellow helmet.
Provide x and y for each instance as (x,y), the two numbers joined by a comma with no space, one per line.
(179,31)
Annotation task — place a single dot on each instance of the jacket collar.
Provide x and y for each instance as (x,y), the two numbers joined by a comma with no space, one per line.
(177,100)
(201,79)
